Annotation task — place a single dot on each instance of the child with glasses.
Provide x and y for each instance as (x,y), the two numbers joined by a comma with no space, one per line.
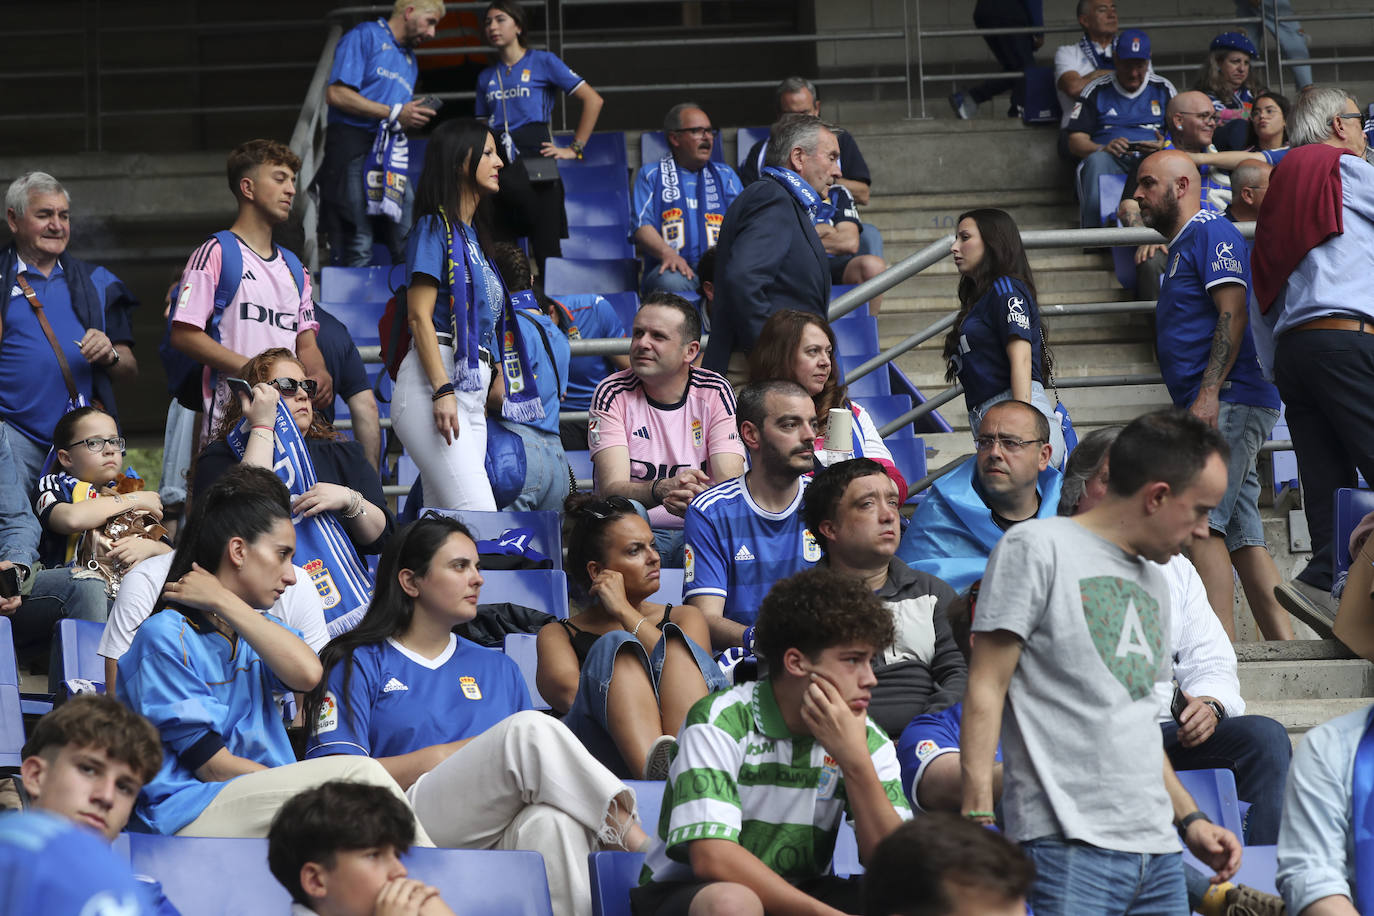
(83,492)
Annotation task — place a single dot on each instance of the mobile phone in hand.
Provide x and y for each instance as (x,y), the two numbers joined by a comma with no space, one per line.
(240,386)
(432,102)
(9,582)
(1178,704)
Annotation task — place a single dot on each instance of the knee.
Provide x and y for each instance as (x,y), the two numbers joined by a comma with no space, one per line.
(725,898)
(88,601)
(1266,739)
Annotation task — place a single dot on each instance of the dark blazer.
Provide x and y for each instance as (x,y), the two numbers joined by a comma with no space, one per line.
(768,258)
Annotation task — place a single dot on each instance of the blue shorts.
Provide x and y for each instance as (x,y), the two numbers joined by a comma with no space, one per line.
(587,717)
(1245,428)
(926,737)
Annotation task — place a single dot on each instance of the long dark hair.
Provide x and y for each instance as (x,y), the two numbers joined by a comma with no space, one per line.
(1003,256)
(391,610)
(1285,106)
(246,502)
(451,159)
(776,349)
(586,539)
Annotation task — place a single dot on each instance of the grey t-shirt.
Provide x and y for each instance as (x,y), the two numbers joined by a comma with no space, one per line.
(1081,749)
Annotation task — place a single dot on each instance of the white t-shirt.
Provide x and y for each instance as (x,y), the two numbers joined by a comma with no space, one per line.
(1071,57)
(299,606)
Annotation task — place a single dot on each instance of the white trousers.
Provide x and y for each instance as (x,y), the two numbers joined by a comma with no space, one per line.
(454,474)
(527,783)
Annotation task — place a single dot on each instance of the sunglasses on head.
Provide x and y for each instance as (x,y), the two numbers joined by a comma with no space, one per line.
(609,507)
(288,386)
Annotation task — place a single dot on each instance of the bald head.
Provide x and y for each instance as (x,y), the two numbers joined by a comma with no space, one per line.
(1191,120)
(1168,190)
(1249,181)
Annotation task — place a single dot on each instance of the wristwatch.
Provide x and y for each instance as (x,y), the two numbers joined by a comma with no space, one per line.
(1216,708)
(1188,820)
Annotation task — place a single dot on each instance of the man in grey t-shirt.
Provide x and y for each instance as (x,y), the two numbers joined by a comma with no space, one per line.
(1073,623)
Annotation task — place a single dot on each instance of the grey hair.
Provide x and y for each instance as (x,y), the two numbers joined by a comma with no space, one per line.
(28,184)
(1083,7)
(1084,462)
(790,132)
(796,84)
(1313,114)
(1248,174)
(673,119)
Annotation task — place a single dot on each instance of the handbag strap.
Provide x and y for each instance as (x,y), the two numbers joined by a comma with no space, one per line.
(47,332)
(557,376)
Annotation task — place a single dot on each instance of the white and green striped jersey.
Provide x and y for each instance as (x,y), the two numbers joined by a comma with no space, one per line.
(740,775)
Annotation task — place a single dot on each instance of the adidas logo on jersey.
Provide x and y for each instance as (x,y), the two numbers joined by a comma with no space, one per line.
(743,554)
(642,432)
(394,684)
(1111,112)
(248,275)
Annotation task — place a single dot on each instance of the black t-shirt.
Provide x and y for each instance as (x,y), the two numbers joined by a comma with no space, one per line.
(852,164)
(341,359)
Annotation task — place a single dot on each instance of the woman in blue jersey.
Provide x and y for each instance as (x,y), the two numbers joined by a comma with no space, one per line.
(1229,81)
(1267,136)
(800,346)
(462,324)
(515,96)
(452,722)
(625,670)
(997,348)
(205,666)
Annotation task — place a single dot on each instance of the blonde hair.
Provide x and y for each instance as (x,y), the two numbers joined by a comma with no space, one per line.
(420,6)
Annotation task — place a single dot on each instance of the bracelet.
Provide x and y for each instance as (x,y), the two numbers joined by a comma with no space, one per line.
(635,631)
(263,436)
(115,361)
(355,506)
(442,391)
(1188,820)
(268,428)
(653,494)
(976,814)
(576,148)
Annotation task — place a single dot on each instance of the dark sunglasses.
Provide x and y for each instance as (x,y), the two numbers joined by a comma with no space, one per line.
(610,507)
(288,386)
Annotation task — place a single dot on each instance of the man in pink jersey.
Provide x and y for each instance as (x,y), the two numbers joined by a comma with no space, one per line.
(662,431)
(268,309)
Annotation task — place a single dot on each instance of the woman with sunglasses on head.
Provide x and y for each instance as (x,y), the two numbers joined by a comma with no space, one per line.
(623,671)
(997,347)
(452,722)
(515,96)
(800,346)
(348,487)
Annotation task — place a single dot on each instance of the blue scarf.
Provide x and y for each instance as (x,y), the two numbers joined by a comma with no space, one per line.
(1102,60)
(687,234)
(384,179)
(1362,811)
(322,545)
(803,192)
(522,403)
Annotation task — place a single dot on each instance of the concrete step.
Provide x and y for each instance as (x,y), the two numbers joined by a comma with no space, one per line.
(898,302)
(1306,680)
(1047,282)
(1299,716)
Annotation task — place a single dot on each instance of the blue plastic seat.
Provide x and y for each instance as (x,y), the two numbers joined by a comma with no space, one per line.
(581,464)
(598,208)
(649,798)
(489,526)
(613,874)
(590,275)
(626,305)
(211,876)
(11,713)
(542,589)
(670,579)
(1351,506)
(884,409)
(602,148)
(1215,794)
(580,177)
(1041,99)
(845,861)
(874,383)
(597,242)
(78,651)
(344,285)
(521,648)
(856,335)
(653,146)
(1285,463)
(745,138)
(909,454)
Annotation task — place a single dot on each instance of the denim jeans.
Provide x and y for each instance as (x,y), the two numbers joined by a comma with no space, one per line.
(870,240)
(358,248)
(588,719)
(1076,879)
(28,462)
(1092,168)
(546,469)
(670,281)
(1256,749)
(1245,428)
(1291,38)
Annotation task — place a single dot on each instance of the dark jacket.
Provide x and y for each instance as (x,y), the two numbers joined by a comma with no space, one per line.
(768,258)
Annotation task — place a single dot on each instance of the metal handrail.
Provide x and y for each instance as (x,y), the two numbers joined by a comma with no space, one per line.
(306,143)
(1075,27)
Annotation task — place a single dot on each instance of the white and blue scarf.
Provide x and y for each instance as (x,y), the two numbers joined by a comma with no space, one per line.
(693,235)
(1102,60)
(384,179)
(803,192)
(322,545)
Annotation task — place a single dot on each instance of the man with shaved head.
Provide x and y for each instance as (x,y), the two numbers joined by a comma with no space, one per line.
(1249,181)
(1207,357)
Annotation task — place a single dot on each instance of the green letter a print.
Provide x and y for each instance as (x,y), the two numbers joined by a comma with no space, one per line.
(1123,620)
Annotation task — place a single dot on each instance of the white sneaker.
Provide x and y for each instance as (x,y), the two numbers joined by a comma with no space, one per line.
(1312,606)
(964,107)
(659,759)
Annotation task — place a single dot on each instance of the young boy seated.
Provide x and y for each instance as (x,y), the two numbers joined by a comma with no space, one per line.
(764,771)
(336,848)
(83,494)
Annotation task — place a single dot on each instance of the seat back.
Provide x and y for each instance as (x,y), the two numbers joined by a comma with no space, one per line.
(745,138)
(1042,101)
(613,874)
(1215,794)
(521,648)
(77,651)
(649,798)
(885,408)
(489,526)
(581,177)
(598,208)
(874,383)
(626,305)
(542,589)
(909,454)
(653,146)
(856,335)
(590,275)
(606,148)
(1351,506)
(669,586)
(597,242)
(11,714)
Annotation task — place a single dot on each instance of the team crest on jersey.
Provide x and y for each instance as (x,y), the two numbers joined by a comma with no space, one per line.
(328,718)
(925,747)
(1077,110)
(672,227)
(810,549)
(470,688)
(515,379)
(689,564)
(698,436)
(524,76)
(1154,107)
(323,582)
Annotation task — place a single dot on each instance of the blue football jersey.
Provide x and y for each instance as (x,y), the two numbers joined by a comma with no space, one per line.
(737,550)
(1208,251)
(593,317)
(51,866)
(1105,111)
(1006,312)
(523,93)
(398,701)
(369,60)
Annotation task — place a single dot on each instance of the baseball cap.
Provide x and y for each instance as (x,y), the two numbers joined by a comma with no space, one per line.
(1132,44)
(1235,41)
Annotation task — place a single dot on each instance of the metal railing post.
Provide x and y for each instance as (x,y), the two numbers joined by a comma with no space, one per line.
(1278,42)
(920,61)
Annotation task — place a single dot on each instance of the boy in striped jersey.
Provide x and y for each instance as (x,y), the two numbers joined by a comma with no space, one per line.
(764,771)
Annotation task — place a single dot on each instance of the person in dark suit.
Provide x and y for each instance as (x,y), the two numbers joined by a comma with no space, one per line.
(770,255)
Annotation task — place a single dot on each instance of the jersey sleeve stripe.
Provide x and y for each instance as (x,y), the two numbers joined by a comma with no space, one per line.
(202,254)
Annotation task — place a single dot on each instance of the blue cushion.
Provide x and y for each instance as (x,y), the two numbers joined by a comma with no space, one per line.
(542,589)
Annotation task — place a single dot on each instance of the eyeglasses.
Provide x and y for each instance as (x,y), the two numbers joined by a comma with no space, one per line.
(288,386)
(1008,444)
(1206,117)
(1351,114)
(97,444)
(697,132)
(610,507)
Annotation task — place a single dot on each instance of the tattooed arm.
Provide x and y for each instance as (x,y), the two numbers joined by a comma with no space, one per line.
(1230,300)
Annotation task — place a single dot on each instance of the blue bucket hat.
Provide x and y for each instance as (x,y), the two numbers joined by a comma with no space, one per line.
(1234,41)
